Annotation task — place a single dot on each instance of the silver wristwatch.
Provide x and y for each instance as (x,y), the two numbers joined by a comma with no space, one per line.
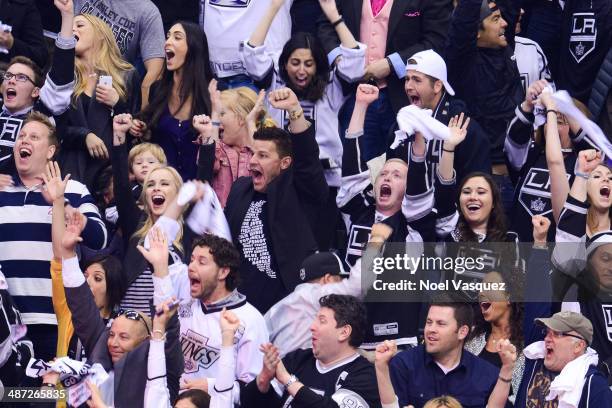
(292,379)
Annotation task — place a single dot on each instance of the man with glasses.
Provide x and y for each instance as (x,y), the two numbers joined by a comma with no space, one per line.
(120,348)
(24,88)
(562,368)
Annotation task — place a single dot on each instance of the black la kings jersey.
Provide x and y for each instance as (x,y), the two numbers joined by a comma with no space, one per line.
(351,383)
(586,33)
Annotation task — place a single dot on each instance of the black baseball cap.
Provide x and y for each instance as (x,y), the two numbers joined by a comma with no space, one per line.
(320,264)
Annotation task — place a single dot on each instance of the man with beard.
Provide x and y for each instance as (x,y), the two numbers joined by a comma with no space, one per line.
(211,279)
(442,366)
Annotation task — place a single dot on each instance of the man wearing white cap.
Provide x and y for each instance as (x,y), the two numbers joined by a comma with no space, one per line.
(427,87)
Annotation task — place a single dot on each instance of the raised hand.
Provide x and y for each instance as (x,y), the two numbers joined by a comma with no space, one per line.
(121,125)
(381,231)
(75,224)
(384,352)
(256,113)
(588,160)
(507,352)
(366,94)
(548,101)
(203,125)
(284,99)
(163,314)
(229,321)
(458,131)
(53,184)
(533,93)
(541,225)
(65,7)
(215,97)
(157,255)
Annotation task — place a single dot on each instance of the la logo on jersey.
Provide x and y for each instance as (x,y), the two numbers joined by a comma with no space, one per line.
(584,35)
(607,311)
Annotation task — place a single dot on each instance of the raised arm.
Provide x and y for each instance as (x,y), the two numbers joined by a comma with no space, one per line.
(559,185)
(384,352)
(501,390)
(355,173)
(462,35)
(330,10)
(129,213)
(86,319)
(258,37)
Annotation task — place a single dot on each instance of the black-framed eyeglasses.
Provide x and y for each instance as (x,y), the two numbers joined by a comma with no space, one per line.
(558,335)
(134,315)
(18,77)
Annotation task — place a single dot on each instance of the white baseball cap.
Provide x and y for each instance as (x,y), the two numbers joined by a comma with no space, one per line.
(430,63)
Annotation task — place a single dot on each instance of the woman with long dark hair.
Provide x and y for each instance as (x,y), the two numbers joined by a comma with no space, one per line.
(180,94)
(303,67)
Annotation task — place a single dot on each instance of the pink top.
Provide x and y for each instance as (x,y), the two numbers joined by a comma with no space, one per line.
(373,32)
(230,164)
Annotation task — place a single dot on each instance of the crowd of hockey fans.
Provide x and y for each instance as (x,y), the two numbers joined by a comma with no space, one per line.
(306,203)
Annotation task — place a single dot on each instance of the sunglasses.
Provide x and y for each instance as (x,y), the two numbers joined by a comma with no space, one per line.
(134,315)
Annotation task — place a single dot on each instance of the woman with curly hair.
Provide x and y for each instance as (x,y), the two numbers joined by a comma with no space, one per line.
(105,84)
(499,318)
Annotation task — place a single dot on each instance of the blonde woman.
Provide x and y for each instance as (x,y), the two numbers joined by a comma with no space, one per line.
(160,187)
(105,84)
(226,139)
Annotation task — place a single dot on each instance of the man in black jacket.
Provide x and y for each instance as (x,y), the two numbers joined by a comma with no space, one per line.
(26,35)
(271,213)
(412,26)
(482,69)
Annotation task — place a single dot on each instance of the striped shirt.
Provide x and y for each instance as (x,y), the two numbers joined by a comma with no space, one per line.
(25,244)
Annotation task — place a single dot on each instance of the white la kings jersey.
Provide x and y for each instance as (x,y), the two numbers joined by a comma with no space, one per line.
(228,22)
(201,340)
(531,62)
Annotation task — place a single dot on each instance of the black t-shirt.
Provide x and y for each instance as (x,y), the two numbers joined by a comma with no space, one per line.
(259,274)
(538,389)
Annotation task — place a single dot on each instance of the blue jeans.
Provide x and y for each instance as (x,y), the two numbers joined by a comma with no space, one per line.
(379,121)
(236,81)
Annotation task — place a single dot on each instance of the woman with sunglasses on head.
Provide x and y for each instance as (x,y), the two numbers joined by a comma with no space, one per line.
(105,85)
(121,347)
(542,165)
(303,67)
(180,94)
(160,188)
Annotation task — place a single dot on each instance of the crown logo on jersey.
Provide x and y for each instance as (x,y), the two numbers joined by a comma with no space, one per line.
(302,274)
(579,50)
(538,205)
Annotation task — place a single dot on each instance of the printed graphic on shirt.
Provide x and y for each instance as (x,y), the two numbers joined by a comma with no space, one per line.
(122,27)
(9,129)
(607,312)
(538,390)
(357,240)
(196,352)
(253,240)
(583,38)
(230,3)
(534,195)
(349,399)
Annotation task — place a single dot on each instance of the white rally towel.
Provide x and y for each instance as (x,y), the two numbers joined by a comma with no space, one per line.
(411,119)
(567,386)
(207,215)
(566,106)
(73,376)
